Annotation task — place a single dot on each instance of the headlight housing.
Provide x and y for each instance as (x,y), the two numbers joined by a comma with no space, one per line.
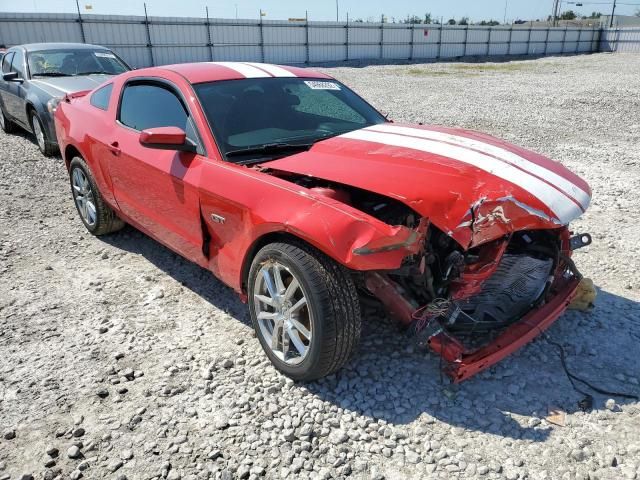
(53,104)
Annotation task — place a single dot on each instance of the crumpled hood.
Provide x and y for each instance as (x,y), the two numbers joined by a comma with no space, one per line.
(472,186)
(59,86)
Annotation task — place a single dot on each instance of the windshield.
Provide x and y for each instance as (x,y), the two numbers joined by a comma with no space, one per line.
(257,114)
(71,63)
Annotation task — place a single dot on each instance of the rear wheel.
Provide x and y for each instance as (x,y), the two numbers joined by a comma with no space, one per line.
(43,141)
(7,125)
(96,215)
(305,310)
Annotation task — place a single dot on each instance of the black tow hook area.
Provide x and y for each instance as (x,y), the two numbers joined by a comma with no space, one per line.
(579,241)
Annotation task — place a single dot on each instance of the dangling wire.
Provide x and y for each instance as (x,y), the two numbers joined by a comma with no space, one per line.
(438,307)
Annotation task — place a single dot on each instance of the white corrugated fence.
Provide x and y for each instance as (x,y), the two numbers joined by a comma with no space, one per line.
(144,41)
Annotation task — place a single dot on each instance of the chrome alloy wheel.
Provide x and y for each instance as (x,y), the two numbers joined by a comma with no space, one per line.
(39,133)
(83,196)
(283,315)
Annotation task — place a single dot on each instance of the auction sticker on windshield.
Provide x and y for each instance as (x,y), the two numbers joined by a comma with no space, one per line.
(316,85)
(104,55)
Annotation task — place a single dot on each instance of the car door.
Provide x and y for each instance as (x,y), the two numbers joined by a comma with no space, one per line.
(4,85)
(16,105)
(157,189)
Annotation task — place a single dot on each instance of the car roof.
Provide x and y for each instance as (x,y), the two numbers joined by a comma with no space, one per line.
(31,47)
(215,71)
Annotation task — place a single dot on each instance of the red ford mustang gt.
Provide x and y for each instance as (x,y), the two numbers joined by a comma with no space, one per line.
(308,202)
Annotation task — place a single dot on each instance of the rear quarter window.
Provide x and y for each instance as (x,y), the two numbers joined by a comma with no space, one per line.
(100,98)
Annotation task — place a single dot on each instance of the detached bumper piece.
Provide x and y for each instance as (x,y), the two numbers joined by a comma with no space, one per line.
(462,363)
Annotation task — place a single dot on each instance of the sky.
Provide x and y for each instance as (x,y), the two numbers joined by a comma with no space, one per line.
(371,10)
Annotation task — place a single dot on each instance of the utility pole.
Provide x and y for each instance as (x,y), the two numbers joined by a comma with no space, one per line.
(337,12)
(506,3)
(613,11)
(556,11)
(84,38)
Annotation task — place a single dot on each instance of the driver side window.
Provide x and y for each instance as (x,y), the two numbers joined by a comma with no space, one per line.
(17,65)
(146,105)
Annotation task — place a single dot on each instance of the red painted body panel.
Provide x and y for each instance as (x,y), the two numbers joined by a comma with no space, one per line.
(438,187)
(213,212)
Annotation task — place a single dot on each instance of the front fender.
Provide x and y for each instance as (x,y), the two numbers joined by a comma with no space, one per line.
(257,205)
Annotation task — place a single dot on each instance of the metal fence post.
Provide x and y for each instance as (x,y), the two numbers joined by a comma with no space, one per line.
(439,42)
(595,40)
(412,31)
(149,44)
(347,38)
(466,37)
(564,38)
(529,39)
(546,41)
(489,42)
(84,38)
(509,40)
(306,36)
(209,44)
(578,41)
(261,39)
(382,37)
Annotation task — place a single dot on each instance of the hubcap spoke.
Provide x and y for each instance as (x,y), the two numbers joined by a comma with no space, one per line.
(285,342)
(91,212)
(268,315)
(298,305)
(297,342)
(264,299)
(268,281)
(277,275)
(301,328)
(291,289)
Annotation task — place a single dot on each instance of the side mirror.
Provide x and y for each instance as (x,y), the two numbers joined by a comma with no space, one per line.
(167,138)
(11,77)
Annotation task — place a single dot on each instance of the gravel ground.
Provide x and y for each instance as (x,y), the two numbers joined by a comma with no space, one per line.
(122,360)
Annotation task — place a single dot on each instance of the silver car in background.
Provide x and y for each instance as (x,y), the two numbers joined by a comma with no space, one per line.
(36,76)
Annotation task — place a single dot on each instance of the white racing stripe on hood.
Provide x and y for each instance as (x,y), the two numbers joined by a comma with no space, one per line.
(274,70)
(553,178)
(565,209)
(244,69)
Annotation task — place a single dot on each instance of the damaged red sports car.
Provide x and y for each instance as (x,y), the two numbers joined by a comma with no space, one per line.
(308,202)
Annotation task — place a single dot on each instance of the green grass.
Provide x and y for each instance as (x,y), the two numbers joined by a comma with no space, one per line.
(471,69)
(491,67)
(433,73)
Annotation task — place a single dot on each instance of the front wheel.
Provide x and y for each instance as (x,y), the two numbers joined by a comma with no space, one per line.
(304,308)
(44,143)
(96,215)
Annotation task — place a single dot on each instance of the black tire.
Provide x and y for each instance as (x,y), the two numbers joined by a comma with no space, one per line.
(7,125)
(45,145)
(106,221)
(332,299)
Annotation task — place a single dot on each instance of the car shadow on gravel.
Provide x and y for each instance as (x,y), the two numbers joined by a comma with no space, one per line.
(388,379)
(188,274)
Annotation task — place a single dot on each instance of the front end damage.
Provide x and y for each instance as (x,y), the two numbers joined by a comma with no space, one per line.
(474,307)
(475,304)
(473,294)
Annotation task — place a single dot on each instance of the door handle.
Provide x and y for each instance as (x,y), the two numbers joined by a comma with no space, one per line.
(114,148)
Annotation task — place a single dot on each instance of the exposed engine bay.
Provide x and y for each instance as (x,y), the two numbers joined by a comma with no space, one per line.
(462,302)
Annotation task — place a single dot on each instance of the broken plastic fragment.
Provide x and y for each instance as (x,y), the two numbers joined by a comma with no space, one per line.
(556,416)
(585,296)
